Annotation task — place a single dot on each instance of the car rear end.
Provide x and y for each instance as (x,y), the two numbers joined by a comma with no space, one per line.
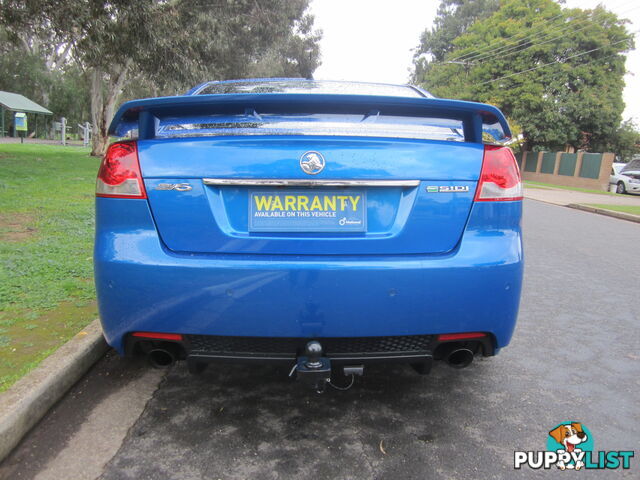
(280,221)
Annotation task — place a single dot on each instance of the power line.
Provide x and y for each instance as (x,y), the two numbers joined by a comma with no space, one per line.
(514,50)
(478,55)
(545,41)
(563,73)
(554,62)
(501,52)
(533,44)
(547,64)
(490,47)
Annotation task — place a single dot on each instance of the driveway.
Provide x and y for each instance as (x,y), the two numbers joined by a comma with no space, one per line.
(573,357)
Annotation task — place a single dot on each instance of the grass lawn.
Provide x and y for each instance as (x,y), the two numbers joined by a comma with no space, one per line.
(46,238)
(633,209)
(530,184)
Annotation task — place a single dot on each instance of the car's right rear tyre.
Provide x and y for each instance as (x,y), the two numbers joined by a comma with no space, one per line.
(620,188)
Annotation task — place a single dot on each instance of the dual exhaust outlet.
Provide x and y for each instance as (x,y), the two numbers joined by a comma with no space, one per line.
(455,355)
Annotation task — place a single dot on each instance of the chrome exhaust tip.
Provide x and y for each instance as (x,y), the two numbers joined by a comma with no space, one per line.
(161,358)
(459,357)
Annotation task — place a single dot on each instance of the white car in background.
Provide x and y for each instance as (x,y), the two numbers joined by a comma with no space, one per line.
(625,180)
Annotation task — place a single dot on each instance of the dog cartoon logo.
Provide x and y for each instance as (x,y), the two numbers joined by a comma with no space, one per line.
(570,446)
(569,436)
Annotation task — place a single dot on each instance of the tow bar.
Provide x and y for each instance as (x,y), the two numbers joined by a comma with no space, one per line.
(313,369)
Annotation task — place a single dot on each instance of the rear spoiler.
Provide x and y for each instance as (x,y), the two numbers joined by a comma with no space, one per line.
(145,115)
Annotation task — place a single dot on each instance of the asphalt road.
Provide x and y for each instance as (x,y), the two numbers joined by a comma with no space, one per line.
(574,357)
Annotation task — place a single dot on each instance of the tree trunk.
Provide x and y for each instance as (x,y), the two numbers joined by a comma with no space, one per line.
(99,136)
(105,90)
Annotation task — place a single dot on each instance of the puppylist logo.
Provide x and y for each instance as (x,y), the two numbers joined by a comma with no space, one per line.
(570,447)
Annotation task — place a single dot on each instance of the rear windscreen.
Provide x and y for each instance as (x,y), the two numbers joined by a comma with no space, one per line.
(371,125)
(310,87)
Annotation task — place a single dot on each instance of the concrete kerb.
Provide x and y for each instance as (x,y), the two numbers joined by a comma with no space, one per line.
(610,213)
(29,399)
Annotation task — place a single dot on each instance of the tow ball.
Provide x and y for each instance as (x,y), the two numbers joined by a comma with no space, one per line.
(313,369)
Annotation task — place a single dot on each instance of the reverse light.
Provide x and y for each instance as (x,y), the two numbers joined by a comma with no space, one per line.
(119,175)
(460,336)
(159,336)
(500,176)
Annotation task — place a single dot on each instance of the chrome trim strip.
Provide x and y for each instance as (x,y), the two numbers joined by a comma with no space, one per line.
(285,182)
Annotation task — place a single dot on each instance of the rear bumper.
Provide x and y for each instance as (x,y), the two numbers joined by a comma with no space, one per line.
(339,350)
(142,286)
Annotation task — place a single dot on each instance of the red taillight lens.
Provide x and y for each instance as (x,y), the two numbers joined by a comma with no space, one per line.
(159,336)
(119,175)
(500,176)
(445,337)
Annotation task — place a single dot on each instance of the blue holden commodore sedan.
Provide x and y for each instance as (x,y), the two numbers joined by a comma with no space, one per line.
(321,225)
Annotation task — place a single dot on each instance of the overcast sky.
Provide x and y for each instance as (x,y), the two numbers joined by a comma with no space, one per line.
(372,40)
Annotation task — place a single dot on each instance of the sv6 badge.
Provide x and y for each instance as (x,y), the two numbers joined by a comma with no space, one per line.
(447,188)
(180,187)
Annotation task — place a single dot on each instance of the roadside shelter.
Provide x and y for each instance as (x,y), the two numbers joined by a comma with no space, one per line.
(14,102)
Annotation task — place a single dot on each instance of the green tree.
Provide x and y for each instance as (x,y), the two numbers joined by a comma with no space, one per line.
(626,141)
(557,72)
(294,55)
(453,19)
(29,69)
(165,45)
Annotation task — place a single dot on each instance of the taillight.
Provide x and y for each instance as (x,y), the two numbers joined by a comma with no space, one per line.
(445,337)
(159,336)
(500,176)
(119,175)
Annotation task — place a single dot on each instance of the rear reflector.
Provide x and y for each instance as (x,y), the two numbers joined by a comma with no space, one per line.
(500,176)
(460,336)
(159,336)
(119,175)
